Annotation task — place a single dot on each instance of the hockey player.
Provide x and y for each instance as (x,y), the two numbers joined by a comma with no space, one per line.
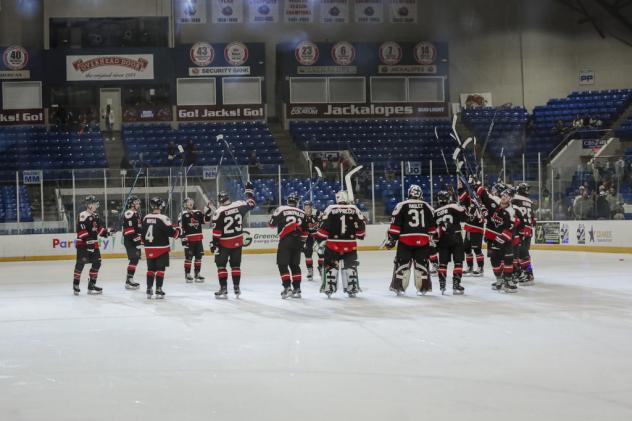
(157,232)
(448,217)
(312,216)
(291,226)
(474,228)
(132,230)
(89,229)
(524,209)
(342,225)
(412,228)
(191,222)
(498,233)
(228,239)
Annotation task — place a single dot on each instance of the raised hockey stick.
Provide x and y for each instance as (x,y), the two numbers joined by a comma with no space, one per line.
(121,212)
(220,137)
(314,184)
(349,184)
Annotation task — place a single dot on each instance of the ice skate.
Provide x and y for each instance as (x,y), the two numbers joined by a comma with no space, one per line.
(424,290)
(442,286)
(457,289)
(150,293)
(237,291)
(508,286)
(130,284)
(160,294)
(496,286)
(189,278)
(433,268)
(222,294)
(469,271)
(93,289)
(310,274)
(477,273)
(199,278)
(287,292)
(529,281)
(296,293)
(75,289)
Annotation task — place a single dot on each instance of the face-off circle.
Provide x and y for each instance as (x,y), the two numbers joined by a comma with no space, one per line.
(15,57)
(202,54)
(236,53)
(390,53)
(306,53)
(425,52)
(343,53)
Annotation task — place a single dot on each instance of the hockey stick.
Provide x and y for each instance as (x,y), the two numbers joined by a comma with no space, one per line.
(181,150)
(314,184)
(121,212)
(348,183)
(220,137)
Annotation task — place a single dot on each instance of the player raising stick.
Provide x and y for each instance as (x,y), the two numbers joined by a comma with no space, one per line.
(412,228)
(292,228)
(228,238)
(191,222)
(342,225)
(132,230)
(89,229)
(157,233)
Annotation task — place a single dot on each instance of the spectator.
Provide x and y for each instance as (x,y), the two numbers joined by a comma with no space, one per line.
(619,171)
(613,199)
(108,118)
(190,154)
(602,206)
(171,153)
(253,163)
(583,205)
(619,212)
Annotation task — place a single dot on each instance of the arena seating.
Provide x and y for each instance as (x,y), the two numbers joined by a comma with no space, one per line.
(9,207)
(506,133)
(26,147)
(625,130)
(152,139)
(378,141)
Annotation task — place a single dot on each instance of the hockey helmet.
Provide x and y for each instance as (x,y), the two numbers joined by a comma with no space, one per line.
(131,201)
(292,199)
(187,203)
(508,191)
(342,197)
(91,200)
(415,192)
(223,198)
(157,203)
(523,189)
(443,197)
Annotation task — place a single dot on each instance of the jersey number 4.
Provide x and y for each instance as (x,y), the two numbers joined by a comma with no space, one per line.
(149,237)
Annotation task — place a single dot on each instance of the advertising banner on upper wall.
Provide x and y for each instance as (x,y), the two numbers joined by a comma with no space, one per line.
(110,67)
(298,11)
(220,112)
(389,110)
(369,11)
(228,11)
(334,11)
(190,11)
(402,11)
(21,117)
(263,11)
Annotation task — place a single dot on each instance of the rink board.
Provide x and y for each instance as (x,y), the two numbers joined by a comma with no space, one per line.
(593,236)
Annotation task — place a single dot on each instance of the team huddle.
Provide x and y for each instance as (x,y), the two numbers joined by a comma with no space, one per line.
(427,240)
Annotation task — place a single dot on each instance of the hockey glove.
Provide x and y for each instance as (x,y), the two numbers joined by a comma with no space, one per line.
(185,243)
(214,247)
(249,188)
(390,244)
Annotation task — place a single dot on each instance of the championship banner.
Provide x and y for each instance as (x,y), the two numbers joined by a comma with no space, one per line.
(402,11)
(190,11)
(220,112)
(110,67)
(21,117)
(387,110)
(228,11)
(263,11)
(369,11)
(334,11)
(299,11)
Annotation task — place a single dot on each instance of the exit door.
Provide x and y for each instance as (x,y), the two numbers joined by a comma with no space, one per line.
(111,97)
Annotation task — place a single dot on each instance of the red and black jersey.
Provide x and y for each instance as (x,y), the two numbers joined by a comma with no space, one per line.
(89,229)
(413,223)
(191,223)
(342,226)
(228,223)
(523,207)
(475,221)
(132,227)
(289,220)
(157,234)
(313,221)
(448,219)
(499,220)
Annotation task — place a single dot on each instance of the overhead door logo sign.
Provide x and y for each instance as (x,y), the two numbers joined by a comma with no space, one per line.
(15,57)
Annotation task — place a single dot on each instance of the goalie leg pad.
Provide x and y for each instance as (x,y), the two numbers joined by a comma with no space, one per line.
(422,277)
(401,276)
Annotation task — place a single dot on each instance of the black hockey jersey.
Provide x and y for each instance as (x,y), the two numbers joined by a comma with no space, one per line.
(191,223)
(313,221)
(475,220)
(89,229)
(413,223)
(448,219)
(228,223)
(342,226)
(132,227)
(523,207)
(157,233)
(499,220)
(289,221)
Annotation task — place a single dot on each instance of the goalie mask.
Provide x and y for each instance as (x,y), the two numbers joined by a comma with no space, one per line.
(415,192)
(342,197)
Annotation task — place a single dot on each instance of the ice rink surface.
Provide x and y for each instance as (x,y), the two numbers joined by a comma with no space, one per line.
(560,350)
